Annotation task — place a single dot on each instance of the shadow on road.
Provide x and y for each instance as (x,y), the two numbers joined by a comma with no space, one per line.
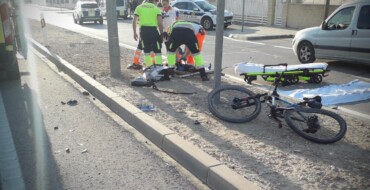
(31,141)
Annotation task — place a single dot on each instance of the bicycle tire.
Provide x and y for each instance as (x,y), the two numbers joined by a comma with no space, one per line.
(227,94)
(336,125)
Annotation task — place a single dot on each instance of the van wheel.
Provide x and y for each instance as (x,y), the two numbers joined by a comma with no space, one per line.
(207,23)
(80,21)
(74,19)
(306,52)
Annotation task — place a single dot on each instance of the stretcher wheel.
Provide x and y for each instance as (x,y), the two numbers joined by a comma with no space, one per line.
(294,79)
(315,79)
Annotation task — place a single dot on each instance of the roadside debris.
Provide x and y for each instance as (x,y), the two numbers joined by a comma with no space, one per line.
(86,93)
(70,102)
(84,151)
(67,150)
(146,108)
(56,128)
(196,122)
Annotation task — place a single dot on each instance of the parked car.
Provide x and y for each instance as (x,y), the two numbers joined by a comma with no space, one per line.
(121,8)
(87,11)
(344,35)
(200,11)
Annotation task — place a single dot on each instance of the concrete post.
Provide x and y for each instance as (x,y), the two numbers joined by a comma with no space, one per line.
(243,10)
(113,41)
(327,6)
(284,17)
(271,12)
(219,41)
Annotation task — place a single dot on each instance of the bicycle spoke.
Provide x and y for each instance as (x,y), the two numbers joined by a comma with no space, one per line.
(315,125)
(234,104)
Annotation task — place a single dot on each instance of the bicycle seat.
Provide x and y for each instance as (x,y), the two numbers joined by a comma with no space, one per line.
(313,102)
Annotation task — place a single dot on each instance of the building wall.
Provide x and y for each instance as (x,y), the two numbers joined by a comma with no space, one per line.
(67,4)
(305,15)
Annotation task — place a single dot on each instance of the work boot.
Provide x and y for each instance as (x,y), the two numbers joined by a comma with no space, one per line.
(203,74)
(134,66)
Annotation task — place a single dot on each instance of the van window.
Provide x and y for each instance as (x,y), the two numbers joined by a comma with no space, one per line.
(89,6)
(342,19)
(364,18)
(120,3)
(185,6)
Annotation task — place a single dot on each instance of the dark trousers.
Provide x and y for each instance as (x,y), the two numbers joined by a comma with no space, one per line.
(150,40)
(180,36)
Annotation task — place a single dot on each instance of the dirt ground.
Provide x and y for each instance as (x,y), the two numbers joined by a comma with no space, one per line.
(272,158)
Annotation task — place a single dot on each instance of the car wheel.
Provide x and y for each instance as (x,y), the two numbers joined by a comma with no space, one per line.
(306,52)
(101,21)
(74,19)
(207,23)
(80,21)
(225,26)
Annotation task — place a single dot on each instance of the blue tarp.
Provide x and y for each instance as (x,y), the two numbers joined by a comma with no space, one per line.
(353,91)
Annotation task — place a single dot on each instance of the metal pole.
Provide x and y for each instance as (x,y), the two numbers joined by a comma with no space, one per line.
(219,41)
(113,42)
(243,15)
(327,4)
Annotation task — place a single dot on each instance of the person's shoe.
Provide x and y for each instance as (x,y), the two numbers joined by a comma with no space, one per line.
(171,71)
(203,74)
(134,66)
(205,78)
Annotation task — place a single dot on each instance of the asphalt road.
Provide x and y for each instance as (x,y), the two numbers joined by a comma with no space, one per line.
(234,51)
(60,149)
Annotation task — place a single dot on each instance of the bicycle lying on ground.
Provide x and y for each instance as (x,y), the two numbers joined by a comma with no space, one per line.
(238,105)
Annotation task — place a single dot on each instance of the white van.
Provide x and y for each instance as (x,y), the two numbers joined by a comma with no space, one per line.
(344,35)
(122,8)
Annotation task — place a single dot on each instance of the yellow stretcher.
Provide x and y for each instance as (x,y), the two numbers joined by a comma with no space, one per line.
(312,73)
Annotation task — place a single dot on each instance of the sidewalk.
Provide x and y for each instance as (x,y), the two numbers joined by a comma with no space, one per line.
(258,32)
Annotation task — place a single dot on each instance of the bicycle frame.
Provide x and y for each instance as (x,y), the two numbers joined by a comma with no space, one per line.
(276,112)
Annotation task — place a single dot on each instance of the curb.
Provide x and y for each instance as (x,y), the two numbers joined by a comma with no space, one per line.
(261,37)
(210,171)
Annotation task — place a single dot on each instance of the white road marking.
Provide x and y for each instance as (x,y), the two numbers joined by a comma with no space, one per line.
(244,41)
(282,47)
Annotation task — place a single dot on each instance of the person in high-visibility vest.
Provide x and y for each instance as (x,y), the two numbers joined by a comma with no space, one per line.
(169,15)
(189,57)
(184,33)
(150,18)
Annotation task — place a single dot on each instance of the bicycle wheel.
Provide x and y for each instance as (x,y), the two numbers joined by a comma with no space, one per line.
(233,104)
(317,125)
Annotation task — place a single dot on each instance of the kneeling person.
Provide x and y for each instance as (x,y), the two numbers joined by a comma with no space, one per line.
(184,33)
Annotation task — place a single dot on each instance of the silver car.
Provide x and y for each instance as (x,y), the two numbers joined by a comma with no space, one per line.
(344,35)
